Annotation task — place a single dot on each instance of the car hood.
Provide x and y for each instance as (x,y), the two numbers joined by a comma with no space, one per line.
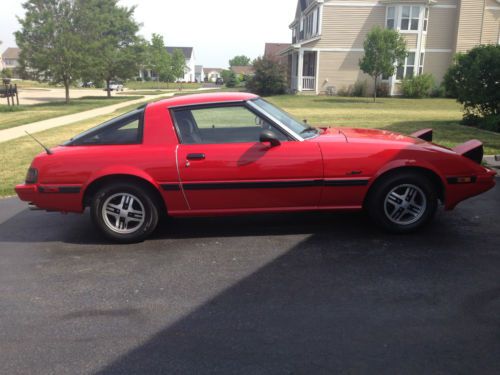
(365,135)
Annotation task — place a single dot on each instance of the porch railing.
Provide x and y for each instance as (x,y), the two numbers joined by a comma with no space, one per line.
(308,83)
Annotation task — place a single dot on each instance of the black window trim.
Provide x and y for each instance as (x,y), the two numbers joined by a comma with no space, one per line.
(240,103)
(114,123)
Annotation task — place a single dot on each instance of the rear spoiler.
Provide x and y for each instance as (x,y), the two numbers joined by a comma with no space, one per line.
(472,150)
(424,134)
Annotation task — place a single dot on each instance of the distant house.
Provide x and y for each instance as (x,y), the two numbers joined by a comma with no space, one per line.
(189,71)
(199,74)
(10,58)
(328,36)
(243,71)
(211,74)
(273,51)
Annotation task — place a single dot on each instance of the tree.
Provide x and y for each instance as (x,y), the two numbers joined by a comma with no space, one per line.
(229,78)
(384,49)
(240,60)
(474,79)
(113,49)
(6,73)
(159,60)
(178,64)
(269,78)
(51,43)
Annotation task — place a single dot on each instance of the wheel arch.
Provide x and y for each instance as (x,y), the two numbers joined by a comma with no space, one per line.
(97,183)
(431,174)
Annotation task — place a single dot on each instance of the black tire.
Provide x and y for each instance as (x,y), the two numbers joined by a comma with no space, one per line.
(140,226)
(394,212)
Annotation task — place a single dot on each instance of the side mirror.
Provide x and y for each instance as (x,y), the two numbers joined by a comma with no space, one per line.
(269,136)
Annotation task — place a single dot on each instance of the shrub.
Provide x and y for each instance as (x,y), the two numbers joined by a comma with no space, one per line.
(474,79)
(269,78)
(383,90)
(418,87)
(7,73)
(344,91)
(230,78)
(360,88)
(438,91)
(491,123)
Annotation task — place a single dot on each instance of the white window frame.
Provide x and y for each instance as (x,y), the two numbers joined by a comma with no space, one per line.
(405,67)
(425,22)
(394,19)
(421,64)
(398,18)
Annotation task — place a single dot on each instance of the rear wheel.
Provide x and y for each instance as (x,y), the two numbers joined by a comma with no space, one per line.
(124,213)
(403,202)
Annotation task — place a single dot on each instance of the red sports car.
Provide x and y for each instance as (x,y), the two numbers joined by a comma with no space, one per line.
(235,153)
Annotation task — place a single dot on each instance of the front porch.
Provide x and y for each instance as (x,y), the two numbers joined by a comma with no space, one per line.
(304,66)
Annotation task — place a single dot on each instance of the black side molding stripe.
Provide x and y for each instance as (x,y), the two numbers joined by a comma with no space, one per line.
(60,189)
(171,187)
(272,185)
(346,183)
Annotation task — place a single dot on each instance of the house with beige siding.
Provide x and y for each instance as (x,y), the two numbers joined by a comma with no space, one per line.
(328,36)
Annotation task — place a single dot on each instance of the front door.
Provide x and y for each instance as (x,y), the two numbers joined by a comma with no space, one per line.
(224,167)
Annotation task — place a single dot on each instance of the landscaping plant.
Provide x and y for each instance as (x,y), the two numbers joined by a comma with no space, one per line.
(418,87)
(384,48)
(474,79)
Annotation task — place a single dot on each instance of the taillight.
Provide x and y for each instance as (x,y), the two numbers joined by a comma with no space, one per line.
(32,176)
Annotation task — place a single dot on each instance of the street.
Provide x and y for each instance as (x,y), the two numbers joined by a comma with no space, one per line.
(309,293)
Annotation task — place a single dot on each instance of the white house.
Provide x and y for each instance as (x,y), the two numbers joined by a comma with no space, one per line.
(211,74)
(199,75)
(189,71)
(189,55)
(10,58)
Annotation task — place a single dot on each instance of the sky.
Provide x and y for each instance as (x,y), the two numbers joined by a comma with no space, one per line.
(217,29)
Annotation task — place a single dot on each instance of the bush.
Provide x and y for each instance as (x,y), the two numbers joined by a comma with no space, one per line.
(474,79)
(418,87)
(7,73)
(229,78)
(383,90)
(491,123)
(438,92)
(360,88)
(269,78)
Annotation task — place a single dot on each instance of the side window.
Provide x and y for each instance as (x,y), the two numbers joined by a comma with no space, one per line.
(124,130)
(234,124)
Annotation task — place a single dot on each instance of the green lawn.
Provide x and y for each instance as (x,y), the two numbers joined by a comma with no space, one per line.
(394,114)
(402,115)
(134,85)
(25,114)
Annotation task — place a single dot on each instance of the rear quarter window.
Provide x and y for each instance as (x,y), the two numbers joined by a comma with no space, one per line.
(123,130)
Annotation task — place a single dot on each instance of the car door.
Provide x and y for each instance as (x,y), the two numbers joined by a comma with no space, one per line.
(224,167)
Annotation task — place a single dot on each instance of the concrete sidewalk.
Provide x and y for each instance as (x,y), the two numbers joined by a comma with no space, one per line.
(35,127)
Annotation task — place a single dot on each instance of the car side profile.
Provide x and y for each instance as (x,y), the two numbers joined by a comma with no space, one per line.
(235,153)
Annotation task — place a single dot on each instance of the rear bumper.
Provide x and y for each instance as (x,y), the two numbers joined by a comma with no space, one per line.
(458,192)
(66,198)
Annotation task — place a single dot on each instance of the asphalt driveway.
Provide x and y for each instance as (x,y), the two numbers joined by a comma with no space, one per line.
(277,294)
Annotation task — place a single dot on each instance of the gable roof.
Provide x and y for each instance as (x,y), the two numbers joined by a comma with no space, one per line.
(273,50)
(187,51)
(243,69)
(11,53)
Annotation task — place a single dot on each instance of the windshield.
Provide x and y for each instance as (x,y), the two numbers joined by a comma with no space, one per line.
(298,127)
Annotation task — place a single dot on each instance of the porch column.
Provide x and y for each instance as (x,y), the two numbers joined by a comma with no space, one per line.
(300,72)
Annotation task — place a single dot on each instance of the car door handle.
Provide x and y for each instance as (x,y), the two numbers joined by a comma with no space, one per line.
(195,157)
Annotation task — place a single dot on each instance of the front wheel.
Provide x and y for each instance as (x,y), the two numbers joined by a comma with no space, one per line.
(403,202)
(124,213)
